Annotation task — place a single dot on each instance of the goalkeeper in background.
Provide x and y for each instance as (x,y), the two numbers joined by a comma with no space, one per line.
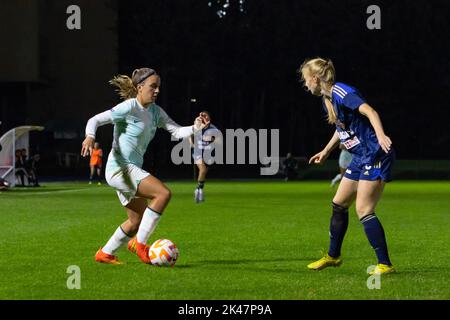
(96,163)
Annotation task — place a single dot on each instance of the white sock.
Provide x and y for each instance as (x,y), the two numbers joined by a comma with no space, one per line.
(118,239)
(337,178)
(148,225)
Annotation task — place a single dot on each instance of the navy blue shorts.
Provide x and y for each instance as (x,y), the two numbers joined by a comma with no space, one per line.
(381,168)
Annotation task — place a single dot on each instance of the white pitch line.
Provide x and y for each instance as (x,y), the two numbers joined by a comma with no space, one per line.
(44,192)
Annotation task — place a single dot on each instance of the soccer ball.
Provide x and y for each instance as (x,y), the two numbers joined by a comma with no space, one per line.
(163,252)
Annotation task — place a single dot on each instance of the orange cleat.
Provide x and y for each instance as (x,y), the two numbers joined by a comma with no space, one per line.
(142,252)
(132,245)
(102,257)
(140,249)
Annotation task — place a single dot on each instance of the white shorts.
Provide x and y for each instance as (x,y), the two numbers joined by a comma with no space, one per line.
(126,181)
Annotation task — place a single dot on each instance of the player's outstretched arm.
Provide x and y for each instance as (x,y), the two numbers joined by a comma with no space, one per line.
(178,131)
(91,129)
(384,141)
(319,158)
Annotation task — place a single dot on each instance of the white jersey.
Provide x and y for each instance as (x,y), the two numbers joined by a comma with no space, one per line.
(134,128)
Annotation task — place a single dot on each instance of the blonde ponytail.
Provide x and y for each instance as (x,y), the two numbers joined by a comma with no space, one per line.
(126,86)
(332,117)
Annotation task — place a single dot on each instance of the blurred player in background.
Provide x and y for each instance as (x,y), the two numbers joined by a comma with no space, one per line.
(135,122)
(21,173)
(290,167)
(359,129)
(201,142)
(96,163)
(31,168)
(345,158)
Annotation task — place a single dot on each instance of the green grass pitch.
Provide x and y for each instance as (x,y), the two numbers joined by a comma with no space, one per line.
(249,240)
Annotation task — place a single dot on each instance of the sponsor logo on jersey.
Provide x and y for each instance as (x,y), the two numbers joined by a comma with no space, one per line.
(343,135)
(348,171)
(351,142)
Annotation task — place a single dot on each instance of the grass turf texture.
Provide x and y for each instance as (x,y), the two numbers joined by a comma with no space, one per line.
(249,240)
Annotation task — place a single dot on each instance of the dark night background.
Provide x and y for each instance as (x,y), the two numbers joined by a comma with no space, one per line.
(241,67)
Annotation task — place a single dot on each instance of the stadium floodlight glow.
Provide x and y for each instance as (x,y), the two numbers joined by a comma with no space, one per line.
(221,13)
(222,6)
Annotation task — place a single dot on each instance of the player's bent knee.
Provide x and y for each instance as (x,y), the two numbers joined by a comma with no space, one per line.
(362,211)
(339,208)
(341,203)
(165,195)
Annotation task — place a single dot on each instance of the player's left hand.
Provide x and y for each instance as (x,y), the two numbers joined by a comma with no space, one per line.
(385,143)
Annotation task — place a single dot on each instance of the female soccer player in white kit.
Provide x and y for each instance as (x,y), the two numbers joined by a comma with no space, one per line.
(135,122)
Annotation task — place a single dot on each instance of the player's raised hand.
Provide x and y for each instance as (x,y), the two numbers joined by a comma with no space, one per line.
(205,119)
(385,142)
(87,146)
(319,158)
(201,122)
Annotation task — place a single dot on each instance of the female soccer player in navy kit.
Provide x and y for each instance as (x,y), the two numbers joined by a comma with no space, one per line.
(359,129)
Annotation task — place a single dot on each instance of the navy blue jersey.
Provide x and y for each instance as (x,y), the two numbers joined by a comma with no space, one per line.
(354,129)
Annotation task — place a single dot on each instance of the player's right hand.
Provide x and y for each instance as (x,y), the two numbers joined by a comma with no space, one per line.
(87,146)
(319,158)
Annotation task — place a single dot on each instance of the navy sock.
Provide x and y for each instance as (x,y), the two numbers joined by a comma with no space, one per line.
(338,227)
(375,233)
(201,184)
